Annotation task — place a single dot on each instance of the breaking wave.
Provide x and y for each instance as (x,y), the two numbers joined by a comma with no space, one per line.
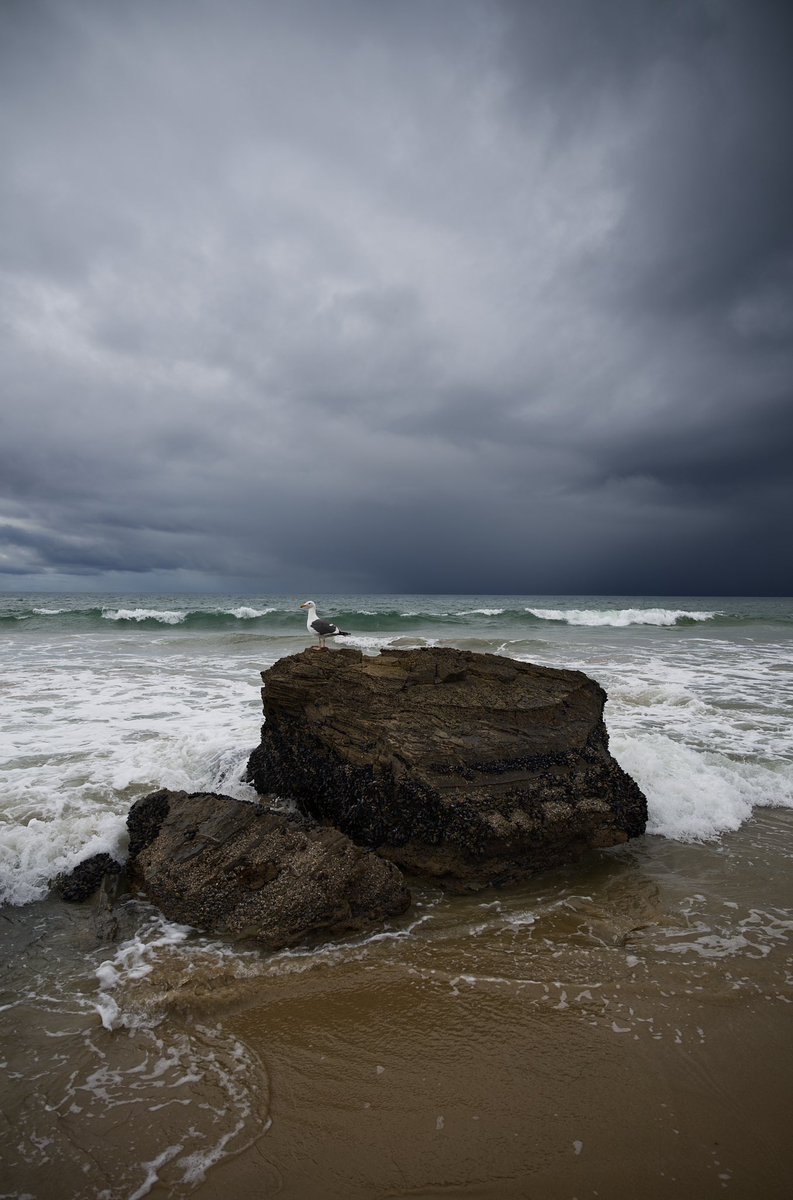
(619,617)
(696,795)
(392,620)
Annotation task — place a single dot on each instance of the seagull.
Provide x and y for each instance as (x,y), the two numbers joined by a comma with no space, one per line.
(322,629)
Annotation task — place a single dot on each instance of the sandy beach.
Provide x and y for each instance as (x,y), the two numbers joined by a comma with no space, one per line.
(400,1079)
(606,1031)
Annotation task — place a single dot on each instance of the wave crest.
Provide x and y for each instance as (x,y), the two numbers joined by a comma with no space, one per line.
(621,617)
(165,616)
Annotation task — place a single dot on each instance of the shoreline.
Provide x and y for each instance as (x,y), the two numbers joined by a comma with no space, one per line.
(680,1084)
(617,1029)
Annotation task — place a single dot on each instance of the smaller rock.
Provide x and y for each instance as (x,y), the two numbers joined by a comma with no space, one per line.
(232,868)
(87,877)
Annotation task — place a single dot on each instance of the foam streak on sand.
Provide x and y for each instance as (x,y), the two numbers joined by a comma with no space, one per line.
(130,1096)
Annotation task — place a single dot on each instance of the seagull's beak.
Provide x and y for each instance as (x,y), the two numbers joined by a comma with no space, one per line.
(304,606)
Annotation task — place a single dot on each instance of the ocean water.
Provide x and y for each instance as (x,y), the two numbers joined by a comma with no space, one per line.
(106,697)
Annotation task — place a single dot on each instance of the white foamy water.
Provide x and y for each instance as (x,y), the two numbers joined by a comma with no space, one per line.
(694,795)
(246,613)
(705,730)
(374,643)
(93,726)
(703,726)
(102,710)
(484,612)
(621,617)
(165,616)
(133,960)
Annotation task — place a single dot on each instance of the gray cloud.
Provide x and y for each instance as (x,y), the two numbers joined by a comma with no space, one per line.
(430,296)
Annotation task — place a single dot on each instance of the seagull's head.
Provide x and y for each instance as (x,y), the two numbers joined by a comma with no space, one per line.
(308,604)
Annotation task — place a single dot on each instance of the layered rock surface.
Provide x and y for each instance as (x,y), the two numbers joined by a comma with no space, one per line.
(227,867)
(468,768)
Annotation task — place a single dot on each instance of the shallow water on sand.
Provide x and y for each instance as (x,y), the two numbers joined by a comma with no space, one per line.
(621,1028)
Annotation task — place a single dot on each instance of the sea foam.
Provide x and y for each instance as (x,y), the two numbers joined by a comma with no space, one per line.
(165,616)
(113,731)
(243,613)
(619,617)
(695,795)
(37,851)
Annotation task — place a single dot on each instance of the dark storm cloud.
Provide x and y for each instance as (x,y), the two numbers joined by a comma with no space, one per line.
(434,296)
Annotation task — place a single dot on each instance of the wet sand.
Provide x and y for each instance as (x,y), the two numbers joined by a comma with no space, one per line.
(480,1098)
(597,1058)
(622,1029)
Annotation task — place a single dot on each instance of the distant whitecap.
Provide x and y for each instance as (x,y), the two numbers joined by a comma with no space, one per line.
(248,614)
(619,617)
(484,612)
(165,616)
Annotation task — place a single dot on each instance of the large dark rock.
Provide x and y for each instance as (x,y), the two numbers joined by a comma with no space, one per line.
(227,867)
(468,768)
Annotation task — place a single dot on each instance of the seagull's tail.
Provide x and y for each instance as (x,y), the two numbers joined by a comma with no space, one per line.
(342,633)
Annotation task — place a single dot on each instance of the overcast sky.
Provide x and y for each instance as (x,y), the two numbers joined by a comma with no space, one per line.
(397,295)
